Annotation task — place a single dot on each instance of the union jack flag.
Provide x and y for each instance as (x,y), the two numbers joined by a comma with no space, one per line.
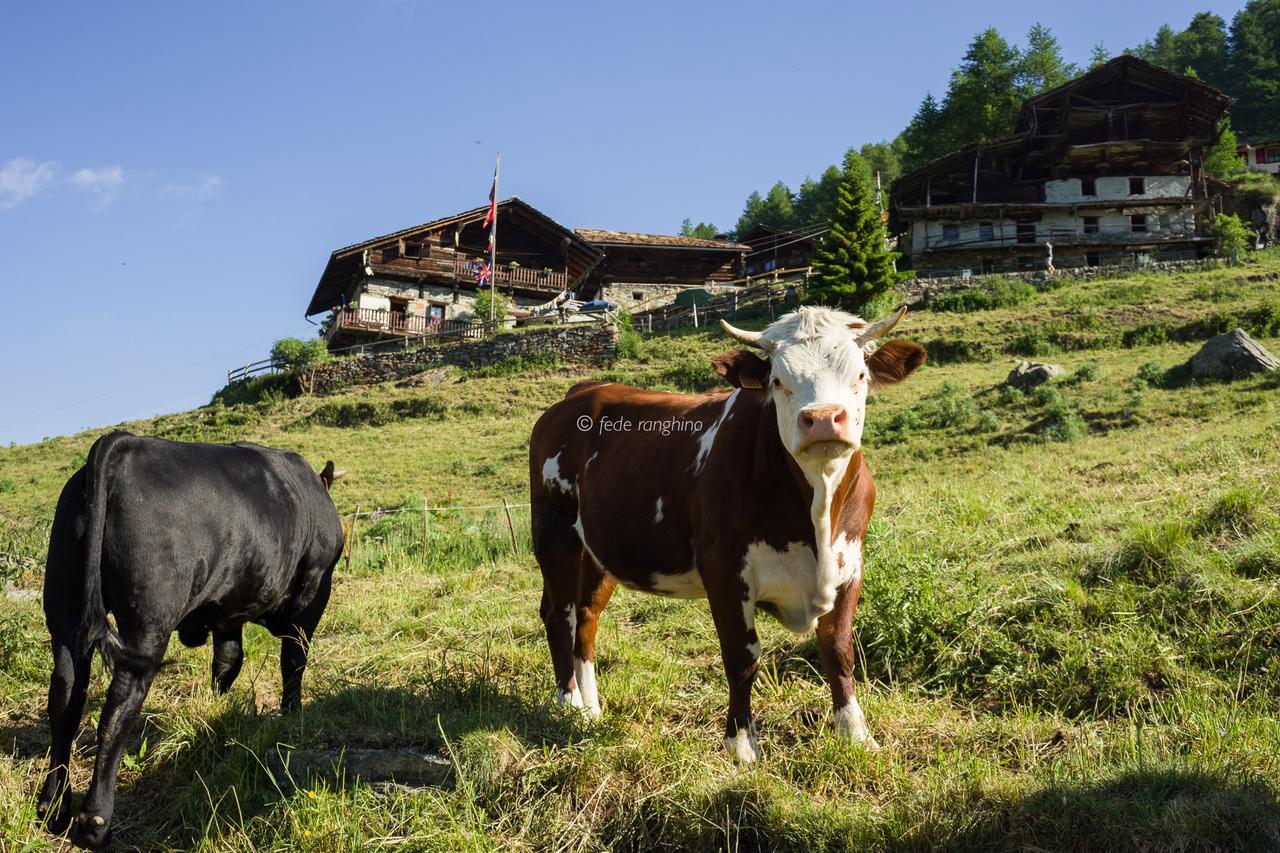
(481,271)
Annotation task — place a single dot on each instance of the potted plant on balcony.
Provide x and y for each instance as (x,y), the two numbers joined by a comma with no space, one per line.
(546,273)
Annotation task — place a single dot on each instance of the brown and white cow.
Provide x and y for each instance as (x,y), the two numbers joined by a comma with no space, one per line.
(755,498)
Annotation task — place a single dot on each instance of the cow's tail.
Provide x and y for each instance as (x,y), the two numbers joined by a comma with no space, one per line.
(93,626)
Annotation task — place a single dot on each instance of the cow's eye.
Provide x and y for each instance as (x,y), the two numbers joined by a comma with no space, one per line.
(777,383)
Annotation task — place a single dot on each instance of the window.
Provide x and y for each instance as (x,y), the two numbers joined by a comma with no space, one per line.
(1091,225)
(1268,155)
(1026,232)
(1138,223)
(986,231)
(1092,259)
(950,233)
(637,296)
(1137,186)
(417,249)
(988,266)
(1088,187)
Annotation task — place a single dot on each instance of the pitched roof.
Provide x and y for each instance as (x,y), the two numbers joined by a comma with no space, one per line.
(601,237)
(344,262)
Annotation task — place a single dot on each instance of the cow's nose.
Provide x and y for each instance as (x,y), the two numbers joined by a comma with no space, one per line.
(824,423)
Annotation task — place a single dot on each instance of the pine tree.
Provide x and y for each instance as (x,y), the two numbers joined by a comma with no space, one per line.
(775,208)
(923,137)
(703,230)
(983,98)
(853,264)
(1099,55)
(1255,60)
(1041,66)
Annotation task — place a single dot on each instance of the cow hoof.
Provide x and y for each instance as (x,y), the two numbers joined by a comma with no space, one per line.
(743,747)
(592,713)
(91,832)
(851,725)
(571,699)
(55,820)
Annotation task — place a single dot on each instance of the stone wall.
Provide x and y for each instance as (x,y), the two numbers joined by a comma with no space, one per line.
(921,288)
(580,344)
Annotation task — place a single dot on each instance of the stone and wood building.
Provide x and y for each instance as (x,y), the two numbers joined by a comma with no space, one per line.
(413,281)
(774,249)
(1261,155)
(650,268)
(1104,169)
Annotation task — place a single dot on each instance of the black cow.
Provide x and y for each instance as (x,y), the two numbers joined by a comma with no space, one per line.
(167,536)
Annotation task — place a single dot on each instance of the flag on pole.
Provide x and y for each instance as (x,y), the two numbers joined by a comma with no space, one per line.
(491,218)
(481,271)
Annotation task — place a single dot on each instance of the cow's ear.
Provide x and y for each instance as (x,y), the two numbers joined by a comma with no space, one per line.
(742,369)
(329,474)
(894,361)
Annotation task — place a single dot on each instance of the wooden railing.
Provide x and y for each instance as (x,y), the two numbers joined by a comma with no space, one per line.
(760,297)
(551,282)
(381,320)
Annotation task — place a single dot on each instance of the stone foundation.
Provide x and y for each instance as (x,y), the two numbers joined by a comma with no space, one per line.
(595,344)
(921,288)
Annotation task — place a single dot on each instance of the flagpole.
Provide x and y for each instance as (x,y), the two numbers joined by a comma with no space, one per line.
(493,243)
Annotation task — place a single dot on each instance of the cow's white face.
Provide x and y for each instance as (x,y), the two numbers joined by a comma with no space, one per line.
(818,382)
(819,377)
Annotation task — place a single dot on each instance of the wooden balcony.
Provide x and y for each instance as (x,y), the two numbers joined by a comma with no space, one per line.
(517,277)
(380,323)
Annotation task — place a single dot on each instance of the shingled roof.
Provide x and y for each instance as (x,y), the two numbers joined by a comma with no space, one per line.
(601,237)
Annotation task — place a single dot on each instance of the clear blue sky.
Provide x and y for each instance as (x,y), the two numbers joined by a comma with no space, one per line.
(174,175)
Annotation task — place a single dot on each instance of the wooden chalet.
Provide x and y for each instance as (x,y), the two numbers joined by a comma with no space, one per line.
(414,281)
(1261,155)
(777,249)
(639,268)
(1105,168)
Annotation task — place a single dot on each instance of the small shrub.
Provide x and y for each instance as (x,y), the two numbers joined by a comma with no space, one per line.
(346,414)
(956,351)
(1005,294)
(1067,426)
(1264,322)
(1151,374)
(1086,372)
(516,364)
(1047,396)
(1011,396)
(1148,334)
(7,487)
(628,338)
(951,407)
(271,388)
(295,355)
(896,430)
(986,422)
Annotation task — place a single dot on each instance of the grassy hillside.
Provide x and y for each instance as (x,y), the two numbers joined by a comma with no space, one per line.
(1069,638)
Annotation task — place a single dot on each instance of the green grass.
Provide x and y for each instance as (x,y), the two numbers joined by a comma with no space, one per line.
(1067,639)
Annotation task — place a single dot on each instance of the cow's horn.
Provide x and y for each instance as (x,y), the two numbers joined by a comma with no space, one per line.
(339,473)
(751,339)
(878,330)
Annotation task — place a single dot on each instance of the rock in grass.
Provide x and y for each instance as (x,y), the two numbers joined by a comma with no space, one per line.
(1029,374)
(1231,355)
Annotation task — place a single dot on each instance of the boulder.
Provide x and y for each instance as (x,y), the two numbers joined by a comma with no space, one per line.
(1231,355)
(1029,374)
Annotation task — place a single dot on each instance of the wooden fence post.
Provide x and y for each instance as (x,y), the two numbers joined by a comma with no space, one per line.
(351,545)
(426,528)
(511,527)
